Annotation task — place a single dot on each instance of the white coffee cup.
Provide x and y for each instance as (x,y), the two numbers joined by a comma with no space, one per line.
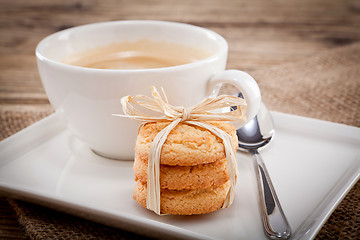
(87,98)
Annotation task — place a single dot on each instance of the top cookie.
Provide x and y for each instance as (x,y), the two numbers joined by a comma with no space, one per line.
(186,145)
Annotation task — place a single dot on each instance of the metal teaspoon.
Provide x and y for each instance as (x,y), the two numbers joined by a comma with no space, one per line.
(254,135)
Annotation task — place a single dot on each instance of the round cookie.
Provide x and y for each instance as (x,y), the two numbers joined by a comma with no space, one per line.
(186,177)
(186,202)
(186,145)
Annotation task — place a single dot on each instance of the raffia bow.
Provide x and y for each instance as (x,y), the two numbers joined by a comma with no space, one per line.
(195,115)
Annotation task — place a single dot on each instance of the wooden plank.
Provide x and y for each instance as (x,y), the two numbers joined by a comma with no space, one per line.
(10,228)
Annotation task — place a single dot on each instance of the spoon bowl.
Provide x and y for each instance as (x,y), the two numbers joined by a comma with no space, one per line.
(254,135)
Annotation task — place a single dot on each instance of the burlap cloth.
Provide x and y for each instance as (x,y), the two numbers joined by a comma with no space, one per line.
(325,86)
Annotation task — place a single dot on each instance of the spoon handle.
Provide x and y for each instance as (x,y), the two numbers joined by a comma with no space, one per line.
(275,223)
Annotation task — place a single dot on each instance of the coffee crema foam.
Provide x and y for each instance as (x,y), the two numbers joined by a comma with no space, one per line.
(142,54)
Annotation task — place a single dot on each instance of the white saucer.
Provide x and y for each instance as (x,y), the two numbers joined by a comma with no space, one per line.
(313,164)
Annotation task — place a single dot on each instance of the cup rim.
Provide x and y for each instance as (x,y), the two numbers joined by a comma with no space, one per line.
(222,50)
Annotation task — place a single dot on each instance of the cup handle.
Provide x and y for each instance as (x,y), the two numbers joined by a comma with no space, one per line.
(244,83)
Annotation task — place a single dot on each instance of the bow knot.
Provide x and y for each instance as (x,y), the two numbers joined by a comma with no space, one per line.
(204,111)
(185,115)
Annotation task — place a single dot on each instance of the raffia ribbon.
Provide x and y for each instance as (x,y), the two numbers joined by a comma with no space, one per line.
(195,115)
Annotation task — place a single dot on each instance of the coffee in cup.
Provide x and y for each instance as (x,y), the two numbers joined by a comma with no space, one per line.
(141,54)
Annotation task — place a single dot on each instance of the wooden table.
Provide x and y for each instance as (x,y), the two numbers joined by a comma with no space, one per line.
(260,33)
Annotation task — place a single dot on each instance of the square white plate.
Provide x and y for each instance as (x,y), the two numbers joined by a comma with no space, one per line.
(313,164)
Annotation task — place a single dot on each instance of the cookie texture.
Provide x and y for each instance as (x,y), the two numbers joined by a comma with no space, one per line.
(186,145)
(186,202)
(186,177)
(194,176)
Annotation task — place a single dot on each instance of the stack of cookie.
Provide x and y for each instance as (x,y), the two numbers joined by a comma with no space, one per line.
(194,178)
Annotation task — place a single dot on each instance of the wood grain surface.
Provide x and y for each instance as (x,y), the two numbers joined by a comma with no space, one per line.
(260,33)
